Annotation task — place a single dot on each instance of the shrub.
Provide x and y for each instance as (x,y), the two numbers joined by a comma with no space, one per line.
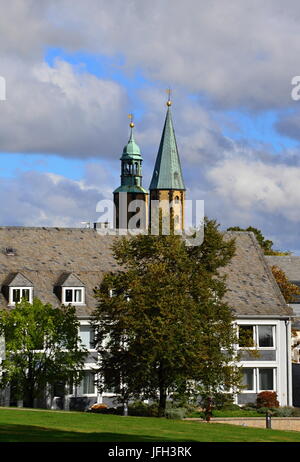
(138,408)
(296,412)
(141,409)
(284,411)
(249,406)
(267,399)
(231,407)
(223,401)
(100,408)
(263,410)
(176,413)
(153,410)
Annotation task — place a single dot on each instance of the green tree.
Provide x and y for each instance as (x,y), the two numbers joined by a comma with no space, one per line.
(165,326)
(266,244)
(42,347)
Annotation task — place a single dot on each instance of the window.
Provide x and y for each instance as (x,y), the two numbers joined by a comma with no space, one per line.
(266,379)
(258,379)
(87,335)
(87,384)
(246,336)
(17,294)
(265,336)
(177,200)
(248,379)
(74,296)
(262,336)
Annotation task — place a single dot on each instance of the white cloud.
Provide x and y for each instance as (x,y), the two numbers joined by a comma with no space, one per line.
(61,111)
(258,187)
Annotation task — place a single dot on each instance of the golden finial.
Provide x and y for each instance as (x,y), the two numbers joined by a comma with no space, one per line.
(130,116)
(169,102)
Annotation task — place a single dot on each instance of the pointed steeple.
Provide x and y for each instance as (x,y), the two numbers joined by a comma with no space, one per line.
(167,171)
(167,189)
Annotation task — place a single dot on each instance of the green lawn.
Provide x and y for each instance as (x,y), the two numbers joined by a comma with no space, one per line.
(23,425)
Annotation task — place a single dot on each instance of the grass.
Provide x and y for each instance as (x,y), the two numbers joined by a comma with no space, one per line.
(23,425)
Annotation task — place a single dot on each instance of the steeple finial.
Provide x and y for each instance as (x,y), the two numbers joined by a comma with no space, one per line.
(169,102)
(130,116)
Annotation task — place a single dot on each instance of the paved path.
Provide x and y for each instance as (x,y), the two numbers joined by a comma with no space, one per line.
(278,423)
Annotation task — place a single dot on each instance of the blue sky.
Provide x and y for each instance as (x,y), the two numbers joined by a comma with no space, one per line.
(258,129)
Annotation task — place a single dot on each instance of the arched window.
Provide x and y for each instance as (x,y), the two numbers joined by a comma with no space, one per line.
(176,179)
(177,200)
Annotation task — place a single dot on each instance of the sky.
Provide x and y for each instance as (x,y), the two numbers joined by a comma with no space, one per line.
(75,70)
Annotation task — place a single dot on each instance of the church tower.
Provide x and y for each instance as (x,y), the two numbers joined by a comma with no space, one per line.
(167,188)
(127,212)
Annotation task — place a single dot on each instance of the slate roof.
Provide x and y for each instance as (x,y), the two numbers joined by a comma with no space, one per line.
(252,289)
(69,280)
(46,256)
(17,280)
(167,172)
(289,264)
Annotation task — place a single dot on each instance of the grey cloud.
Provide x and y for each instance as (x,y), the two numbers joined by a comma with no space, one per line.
(240,53)
(60,111)
(43,199)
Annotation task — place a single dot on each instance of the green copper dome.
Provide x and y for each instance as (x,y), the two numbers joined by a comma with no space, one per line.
(131,168)
(131,150)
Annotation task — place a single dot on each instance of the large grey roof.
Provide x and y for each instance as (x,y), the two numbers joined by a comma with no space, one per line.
(289,264)
(46,255)
(252,289)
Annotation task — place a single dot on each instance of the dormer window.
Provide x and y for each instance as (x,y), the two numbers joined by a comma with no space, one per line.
(17,288)
(73,295)
(17,294)
(70,290)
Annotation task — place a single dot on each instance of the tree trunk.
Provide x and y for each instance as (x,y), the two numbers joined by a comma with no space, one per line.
(208,409)
(162,401)
(29,396)
(162,392)
(29,393)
